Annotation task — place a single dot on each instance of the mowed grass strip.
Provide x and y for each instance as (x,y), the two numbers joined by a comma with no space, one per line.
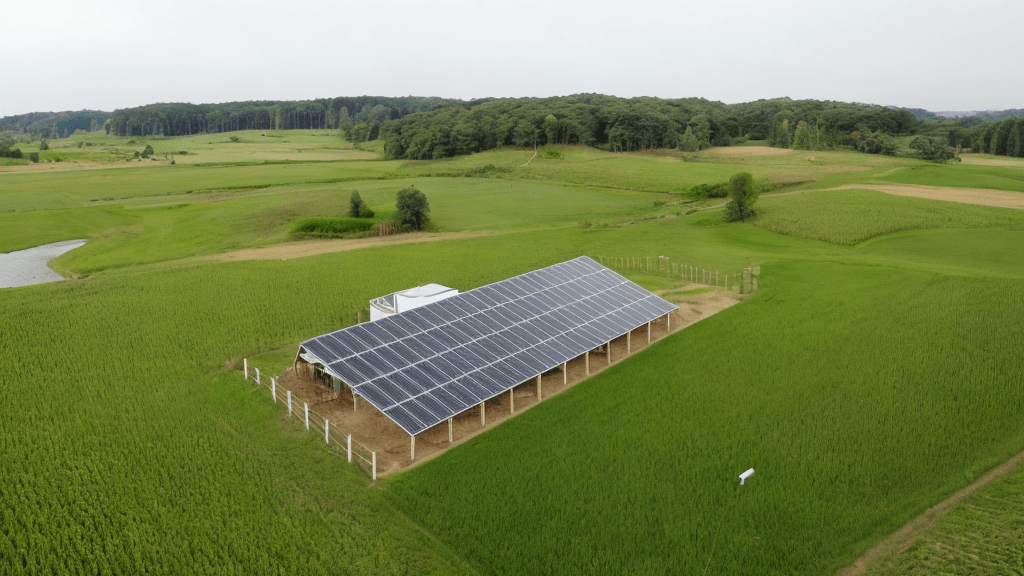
(983,534)
(860,395)
(849,217)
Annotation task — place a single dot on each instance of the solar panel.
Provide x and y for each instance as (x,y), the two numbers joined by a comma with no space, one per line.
(426,365)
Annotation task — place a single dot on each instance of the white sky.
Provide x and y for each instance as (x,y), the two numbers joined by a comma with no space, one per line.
(99,54)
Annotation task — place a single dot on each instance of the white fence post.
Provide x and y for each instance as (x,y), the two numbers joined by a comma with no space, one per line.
(258,377)
(307,415)
(273,389)
(327,431)
(289,403)
(245,367)
(375,466)
(349,447)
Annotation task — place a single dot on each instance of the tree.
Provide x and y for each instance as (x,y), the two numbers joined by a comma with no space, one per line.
(934,149)
(688,141)
(741,189)
(700,127)
(412,208)
(355,204)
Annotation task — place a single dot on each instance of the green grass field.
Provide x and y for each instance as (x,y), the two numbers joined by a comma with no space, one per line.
(876,372)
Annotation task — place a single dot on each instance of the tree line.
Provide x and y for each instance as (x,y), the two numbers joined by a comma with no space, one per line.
(361,116)
(428,127)
(54,124)
(634,124)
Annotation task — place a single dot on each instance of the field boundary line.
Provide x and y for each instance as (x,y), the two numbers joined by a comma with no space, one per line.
(900,539)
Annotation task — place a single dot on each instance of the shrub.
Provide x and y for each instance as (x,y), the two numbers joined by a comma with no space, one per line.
(719,190)
(235,139)
(33,156)
(551,153)
(324,227)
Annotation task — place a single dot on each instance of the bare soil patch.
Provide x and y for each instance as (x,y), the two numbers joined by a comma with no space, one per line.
(372,429)
(979,196)
(305,248)
(898,541)
(747,151)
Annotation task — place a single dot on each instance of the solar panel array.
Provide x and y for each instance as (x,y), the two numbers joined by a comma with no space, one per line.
(430,363)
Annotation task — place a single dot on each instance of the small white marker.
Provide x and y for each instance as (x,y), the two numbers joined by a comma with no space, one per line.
(746,475)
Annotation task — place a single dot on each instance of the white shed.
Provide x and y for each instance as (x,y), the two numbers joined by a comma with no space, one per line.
(404,300)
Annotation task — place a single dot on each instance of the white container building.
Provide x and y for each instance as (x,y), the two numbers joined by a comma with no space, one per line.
(404,300)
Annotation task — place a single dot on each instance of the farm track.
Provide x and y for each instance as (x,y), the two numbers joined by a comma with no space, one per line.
(898,541)
(301,249)
(978,196)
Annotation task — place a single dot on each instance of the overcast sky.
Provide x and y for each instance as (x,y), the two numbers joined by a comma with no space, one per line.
(97,54)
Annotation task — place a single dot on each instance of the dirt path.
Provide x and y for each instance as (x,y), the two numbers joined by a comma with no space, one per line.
(980,196)
(374,430)
(301,249)
(898,541)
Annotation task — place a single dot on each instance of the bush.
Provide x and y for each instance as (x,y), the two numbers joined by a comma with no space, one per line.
(323,227)
(551,153)
(33,156)
(147,151)
(235,139)
(719,190)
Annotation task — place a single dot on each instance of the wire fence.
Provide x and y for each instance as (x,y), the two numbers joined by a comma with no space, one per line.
(744,282)
(362,456)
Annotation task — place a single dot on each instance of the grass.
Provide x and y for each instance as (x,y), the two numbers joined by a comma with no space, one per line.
(849,217)
(875,412)
(879,366)
(981,535)
(960,176)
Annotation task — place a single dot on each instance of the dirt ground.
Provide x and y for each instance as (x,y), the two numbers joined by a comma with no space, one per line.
(747,151)
(898,541)
(374,430)
(980,196)
(304,248)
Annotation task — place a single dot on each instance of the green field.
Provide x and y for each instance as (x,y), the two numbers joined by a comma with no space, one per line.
(875,373)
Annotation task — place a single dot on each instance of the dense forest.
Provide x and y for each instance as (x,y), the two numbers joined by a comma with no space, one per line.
(324,113)
(428,127)
(54,124)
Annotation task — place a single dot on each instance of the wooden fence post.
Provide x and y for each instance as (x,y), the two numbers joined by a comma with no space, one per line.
(327,431)
(307,415)
(273,389)
(565,375)
(258,377)
(289,403)
(375,466)
(245,367)
(349,447)
(539,398)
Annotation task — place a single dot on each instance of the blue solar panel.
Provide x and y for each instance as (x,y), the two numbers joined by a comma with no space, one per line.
(430,363)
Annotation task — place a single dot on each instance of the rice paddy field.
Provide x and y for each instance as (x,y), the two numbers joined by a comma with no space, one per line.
(875,373)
